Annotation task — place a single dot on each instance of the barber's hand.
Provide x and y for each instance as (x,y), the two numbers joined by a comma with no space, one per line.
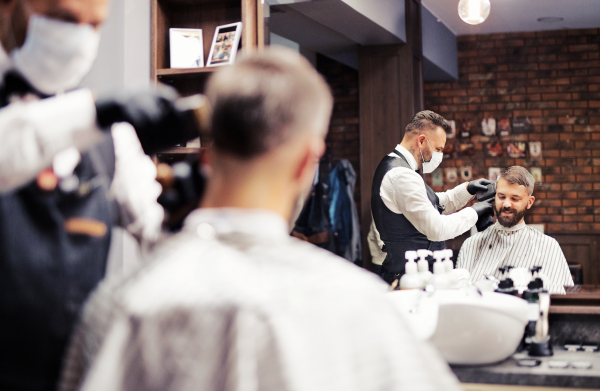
(154,115)
(483,209)
(478,185)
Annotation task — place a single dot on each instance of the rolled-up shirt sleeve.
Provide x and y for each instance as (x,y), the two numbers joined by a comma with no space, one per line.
(454,199)
(32,133)
(403,192)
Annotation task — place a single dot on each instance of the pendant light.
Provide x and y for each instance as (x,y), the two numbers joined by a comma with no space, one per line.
(474,11)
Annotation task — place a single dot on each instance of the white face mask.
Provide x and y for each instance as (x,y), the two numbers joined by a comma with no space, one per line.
(434,162)
(56,55)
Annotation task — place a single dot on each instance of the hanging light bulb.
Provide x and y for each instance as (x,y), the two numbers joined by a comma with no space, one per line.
(474,11)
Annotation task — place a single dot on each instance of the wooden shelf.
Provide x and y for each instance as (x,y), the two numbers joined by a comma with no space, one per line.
(183,71)
(179,151)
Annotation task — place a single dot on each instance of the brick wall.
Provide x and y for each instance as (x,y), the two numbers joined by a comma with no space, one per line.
(343,137)
(552,78)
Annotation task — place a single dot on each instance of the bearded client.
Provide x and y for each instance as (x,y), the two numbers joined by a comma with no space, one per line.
(510,242)
(408,214)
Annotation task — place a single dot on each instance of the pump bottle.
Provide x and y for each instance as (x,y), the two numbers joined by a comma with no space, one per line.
(440,278)
(423,266)
(411,279)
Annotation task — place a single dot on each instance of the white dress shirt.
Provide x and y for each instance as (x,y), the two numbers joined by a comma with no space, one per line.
(403,192)
(42,133)
(518,246)
(234,303)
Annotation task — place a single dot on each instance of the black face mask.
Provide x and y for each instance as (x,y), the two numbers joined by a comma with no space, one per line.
(509,221)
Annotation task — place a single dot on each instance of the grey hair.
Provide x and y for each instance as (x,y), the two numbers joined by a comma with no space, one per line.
(264,99)
(518,175)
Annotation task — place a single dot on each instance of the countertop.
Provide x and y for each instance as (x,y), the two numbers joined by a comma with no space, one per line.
(509,373)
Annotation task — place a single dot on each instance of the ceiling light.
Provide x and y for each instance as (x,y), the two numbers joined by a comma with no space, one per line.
(550,19)
(474,11)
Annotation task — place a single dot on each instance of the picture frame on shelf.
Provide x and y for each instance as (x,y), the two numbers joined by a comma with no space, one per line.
(225,44)
(186,48)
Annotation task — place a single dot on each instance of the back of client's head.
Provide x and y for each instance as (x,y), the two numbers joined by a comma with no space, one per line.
(264,100)
(517,175)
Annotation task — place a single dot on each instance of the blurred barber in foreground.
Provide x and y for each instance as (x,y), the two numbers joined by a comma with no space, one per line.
(67,176)
(234,302)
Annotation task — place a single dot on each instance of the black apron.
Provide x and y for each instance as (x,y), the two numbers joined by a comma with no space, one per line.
(46,273)
(397,233)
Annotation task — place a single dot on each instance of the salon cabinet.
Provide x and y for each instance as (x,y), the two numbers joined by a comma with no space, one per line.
(199,14)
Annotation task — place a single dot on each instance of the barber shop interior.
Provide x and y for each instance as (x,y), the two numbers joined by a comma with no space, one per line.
(302,195)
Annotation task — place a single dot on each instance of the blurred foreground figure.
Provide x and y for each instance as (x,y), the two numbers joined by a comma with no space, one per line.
(67,176)
(233,302)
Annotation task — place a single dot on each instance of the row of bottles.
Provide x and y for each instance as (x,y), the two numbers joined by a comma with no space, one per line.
(418,276)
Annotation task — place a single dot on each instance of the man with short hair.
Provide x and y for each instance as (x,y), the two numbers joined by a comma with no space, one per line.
(235,302)
(408,214)
(510,242)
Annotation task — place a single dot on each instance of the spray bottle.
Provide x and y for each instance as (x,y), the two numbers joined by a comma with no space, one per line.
(440,278)
(411,279)
(423,266)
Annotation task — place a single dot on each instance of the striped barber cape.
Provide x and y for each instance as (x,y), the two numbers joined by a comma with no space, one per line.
(518,246)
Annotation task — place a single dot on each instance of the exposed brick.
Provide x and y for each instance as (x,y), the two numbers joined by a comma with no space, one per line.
(553,78)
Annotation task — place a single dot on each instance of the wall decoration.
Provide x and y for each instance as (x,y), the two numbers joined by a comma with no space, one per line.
(522,125)
(494,173)
(452,133)
(465,128)
(535,149)
(504,127)
(437,178)
(186,48)
(494,149)
(467,149)
(536,172)
(451,174)
(448,150)
(488,126)
(225,44)
(516,150)
(466,173)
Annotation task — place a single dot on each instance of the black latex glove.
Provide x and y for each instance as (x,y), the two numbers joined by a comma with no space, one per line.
(485,215)
(158,122)
(483,209)
(478,185)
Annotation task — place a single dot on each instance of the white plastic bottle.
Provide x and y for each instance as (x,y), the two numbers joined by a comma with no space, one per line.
(439,280)
(411,279)
(449,267)
(423,266)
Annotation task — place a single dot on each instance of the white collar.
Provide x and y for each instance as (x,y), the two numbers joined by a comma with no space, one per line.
(409,158)
(250,222)
(517,227)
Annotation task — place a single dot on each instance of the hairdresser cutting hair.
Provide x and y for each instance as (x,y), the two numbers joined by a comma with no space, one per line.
(67,176)
(408,214)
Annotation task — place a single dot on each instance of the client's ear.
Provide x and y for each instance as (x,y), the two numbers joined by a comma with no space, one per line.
(312,151)
(530,202)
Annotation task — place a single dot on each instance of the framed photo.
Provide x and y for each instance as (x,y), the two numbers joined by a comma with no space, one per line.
(536,172)
(451,174)
(493,173)
(466,173)
(225,44)
(488,126)
(186,48)
(437,177)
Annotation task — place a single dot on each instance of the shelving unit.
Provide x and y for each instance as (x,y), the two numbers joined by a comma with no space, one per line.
(199,14)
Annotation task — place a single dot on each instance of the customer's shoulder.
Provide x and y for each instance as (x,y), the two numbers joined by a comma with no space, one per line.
(542,237)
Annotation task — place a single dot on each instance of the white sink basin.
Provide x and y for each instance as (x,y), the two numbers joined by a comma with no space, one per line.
(471,328)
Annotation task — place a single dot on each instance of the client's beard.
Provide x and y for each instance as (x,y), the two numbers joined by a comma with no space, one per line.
(509,221)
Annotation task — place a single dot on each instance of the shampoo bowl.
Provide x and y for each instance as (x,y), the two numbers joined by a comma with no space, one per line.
(472,328)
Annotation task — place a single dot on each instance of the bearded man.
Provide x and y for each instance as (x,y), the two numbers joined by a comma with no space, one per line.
(510,242)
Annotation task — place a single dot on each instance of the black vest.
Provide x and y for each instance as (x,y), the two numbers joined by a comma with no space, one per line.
(397,233)
(46,273)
